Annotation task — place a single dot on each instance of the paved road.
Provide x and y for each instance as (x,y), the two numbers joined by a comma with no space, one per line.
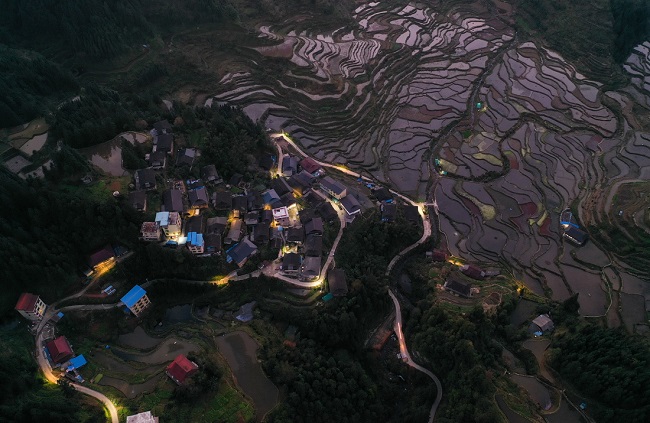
(407,357)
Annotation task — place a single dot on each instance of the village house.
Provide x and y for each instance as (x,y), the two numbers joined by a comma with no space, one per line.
(195,224)
(170,223)
(181,368)
(266,216)
(305,215)
(198,198)
(289,165)
(270,197)
(280,186)
(252,218)
(241,252)
(266,162)
(216,225)
(291,263)
(138,200)
(158,160)
(288,200)
(30,306)
(473,272)
(457,287)
(333,188)
(236,179)
(310,269)
(383,195)
(388,212)
(314,245)
(412,214)
(150,231)
(195,243)
(240,205)
(261,234)
(212,243)
(102,259)
(187,157)
(210,175)
(310,166)
(255,201)
(165,144)
(576,236)
(145,179)
(136,300)
(235,232)
(144,417)
(296,235)
(337,283)
(542,323)
(301,183)
(281,216)
(314,226)
(327,212)
(222,200)
(437,255)
(173,200)
(59,350)
(351,205)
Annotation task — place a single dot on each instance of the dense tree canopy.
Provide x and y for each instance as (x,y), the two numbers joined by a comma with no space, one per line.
(609,366)
(29,83)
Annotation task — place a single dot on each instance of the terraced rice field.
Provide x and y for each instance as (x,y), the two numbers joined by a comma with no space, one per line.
(501,134)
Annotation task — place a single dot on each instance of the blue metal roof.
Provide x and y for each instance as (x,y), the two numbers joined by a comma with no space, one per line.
(60,314)
(77,362)
(195,238)
(133,295)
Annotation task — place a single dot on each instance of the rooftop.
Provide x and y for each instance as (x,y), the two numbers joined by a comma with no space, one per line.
(149,227)
(26,302)
(181,368)
(195,239)
(331,185)
(144,417)
(133,296)
(101,255)
(309,165)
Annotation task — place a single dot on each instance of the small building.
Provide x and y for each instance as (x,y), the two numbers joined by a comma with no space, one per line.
(210,175)
(240,204)
(138,200)
(212,243)
(241,252)
(351,205)
(187,157)
(576,236)
(327,212)
(181,368)
(457,287)
(310,166)
(288,199)
(255,201)
(144,417)
(310,269)
(543,323)
(245,313)
(296,235)
(102,259)
(222,200)
(289,165)
(252,218)
(195,243)
(150,231)
(314,245)
(266,162)
(305,215)
(195,224)
(337,283)
(314,226)
(301,183)
(136,300)
(437,255)
(145,179)
(76,363)
(383,195)
(235,232)
(59,349)
(236,179)
(216,225)
(280,187)
(388,212)
(30,306)
(173,200)
(291,263)
(170,223)
(158,160)
(261,233)
(281,216)
(198,198)
(473,272)
(333,188)
(165,144)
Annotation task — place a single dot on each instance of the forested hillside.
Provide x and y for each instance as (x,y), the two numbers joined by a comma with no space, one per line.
(29,84)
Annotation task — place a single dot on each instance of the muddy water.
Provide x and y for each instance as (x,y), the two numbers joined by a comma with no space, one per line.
(240,350)
(538,347)
(138,339)
(108,155)
(510,415)
(535,389)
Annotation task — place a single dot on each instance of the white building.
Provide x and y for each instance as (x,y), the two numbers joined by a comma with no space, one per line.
(30,306)
(150,231)
(170,223)
(281,216)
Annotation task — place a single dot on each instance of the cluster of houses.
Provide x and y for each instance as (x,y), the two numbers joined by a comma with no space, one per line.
(460,282)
